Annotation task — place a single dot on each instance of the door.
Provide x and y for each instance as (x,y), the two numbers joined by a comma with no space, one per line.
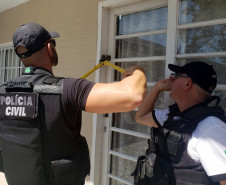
(138,37)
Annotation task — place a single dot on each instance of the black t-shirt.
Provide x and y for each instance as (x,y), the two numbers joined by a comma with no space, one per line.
(75,93)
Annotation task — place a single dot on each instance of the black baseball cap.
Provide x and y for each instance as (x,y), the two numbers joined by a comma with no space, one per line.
(201,73)
(33,37)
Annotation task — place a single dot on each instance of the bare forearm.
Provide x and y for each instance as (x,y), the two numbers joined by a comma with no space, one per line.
(149,102)
(121,96)
(144,113)
(223,182)
(147,107)
(135,84)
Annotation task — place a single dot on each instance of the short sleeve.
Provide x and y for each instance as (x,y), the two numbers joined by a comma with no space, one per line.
(208,146)
(75,93)
(160,116)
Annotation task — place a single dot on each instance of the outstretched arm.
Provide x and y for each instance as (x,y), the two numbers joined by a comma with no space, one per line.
(121,96)
(223,182)
(144,113)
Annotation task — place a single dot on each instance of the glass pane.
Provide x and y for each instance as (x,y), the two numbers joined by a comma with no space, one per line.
(127,144)
(2,75)
(155,70)
(126,120)
(122,168)
(145,46)
(201,10)
(142,21)
(1,58)
(11,73)
(115,182)
(202,39)
(219,65)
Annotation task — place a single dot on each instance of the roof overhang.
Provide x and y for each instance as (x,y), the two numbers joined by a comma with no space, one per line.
(8,4)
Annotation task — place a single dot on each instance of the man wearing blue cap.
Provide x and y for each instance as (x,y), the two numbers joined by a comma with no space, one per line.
(188,138)
(40,114)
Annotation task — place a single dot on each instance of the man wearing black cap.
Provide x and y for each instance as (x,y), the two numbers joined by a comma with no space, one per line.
(202,128)
(40,114)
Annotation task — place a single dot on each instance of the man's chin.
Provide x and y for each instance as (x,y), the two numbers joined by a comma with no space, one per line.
(54,62)
(171,96)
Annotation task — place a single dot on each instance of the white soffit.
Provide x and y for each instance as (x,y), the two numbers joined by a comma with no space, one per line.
(7,4)
(117,3)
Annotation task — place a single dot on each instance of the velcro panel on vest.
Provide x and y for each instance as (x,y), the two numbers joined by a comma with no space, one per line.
(51,85)
(23,86)
(18,105)
(48,89)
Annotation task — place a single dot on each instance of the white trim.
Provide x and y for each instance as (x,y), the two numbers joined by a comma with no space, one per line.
(120,179)
(137,7)
(117,3)
(140,34)
(129,132)
(9,44)
(201,55)
(171,35)
(97,119)
(105,155)
(221,87)
(124,156)
(143,59)
(171,43)
(202,23)
(6,5)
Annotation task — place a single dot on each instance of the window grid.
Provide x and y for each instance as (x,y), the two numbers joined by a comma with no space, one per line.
(10,65)
(199,55)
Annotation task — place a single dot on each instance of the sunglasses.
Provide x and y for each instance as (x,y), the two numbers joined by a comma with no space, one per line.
(174,76)
(54,42)
(50,40)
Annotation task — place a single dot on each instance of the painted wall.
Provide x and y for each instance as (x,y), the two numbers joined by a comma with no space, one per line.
(76,22)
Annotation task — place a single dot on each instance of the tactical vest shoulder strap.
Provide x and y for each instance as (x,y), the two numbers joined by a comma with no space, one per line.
(200,112)
(52,80)
(196,113)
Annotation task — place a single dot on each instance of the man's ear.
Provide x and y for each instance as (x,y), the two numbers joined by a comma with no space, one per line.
(49,49)
(188,83)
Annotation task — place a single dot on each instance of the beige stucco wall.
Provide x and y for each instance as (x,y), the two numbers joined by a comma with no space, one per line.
(76,22)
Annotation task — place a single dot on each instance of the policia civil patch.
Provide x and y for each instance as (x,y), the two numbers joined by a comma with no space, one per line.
(18,105)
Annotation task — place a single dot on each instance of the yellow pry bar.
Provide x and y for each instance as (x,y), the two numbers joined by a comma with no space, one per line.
(101,64)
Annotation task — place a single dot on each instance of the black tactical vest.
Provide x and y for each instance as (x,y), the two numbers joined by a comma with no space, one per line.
(167,161)
(37,147)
